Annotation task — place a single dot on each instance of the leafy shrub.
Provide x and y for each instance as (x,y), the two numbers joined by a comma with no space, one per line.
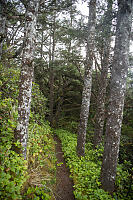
(40,144)
(16,174)
(37,193)
(71,126)
(38,103)
(12,165)
(41,161)
(124,183)
(9,82)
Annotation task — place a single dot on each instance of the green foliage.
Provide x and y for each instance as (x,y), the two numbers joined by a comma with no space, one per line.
(125,169)
(126,146)
(128,108)
(124,182)
(71,126)
(40,144)
(16,173)
(127,130)
(12,165)
(37,193)
(85,171)
(9,81)
(38,103)
(41,161)
(12,173)
(67,89)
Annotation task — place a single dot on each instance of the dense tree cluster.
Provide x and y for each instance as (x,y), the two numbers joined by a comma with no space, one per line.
(83,67)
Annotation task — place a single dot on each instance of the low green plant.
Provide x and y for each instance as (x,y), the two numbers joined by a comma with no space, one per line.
(124,182)
(37,193)
(40,143)
(12,165)
(85,171)
(41,161)
(16,174)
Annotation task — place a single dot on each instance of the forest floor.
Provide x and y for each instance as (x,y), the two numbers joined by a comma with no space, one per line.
(64,186)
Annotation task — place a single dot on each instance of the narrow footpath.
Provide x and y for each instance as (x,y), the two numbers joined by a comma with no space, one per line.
(64,187)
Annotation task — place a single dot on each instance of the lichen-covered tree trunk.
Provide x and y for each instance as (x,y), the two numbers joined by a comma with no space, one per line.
(51,76)
(100,107)
(51,96)
(117,93)
(87,80)
(2,25)
(27,71)
(100,104)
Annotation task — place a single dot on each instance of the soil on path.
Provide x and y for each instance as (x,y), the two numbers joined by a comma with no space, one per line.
(64,186)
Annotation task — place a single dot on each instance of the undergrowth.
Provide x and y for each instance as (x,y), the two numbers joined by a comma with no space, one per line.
(19,179)
(85,171)
(41,162)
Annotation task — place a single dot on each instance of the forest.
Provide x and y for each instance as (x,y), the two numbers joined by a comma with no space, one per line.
(66,100)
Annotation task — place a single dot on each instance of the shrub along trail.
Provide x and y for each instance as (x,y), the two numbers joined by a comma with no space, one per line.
(64,186)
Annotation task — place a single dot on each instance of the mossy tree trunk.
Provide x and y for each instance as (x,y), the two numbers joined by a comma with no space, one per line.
(117,93)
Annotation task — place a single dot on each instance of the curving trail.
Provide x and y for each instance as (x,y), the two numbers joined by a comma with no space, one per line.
(64,186)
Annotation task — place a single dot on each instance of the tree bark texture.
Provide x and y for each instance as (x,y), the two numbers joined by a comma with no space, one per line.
(100,104)
(87,81)
(51,76)
(51,96)
(27,71)
(117,93)
(2,25)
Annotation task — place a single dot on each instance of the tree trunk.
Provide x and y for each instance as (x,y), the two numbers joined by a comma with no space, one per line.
(87,81)
(51,103)
(42,42)
(117,93)
(100,110)
(51,77)
(2,25)
(26,77)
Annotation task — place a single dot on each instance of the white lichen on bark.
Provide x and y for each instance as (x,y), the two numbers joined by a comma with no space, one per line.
(27,71)
(103,80)
(2,26)
(87,81)
(117,93)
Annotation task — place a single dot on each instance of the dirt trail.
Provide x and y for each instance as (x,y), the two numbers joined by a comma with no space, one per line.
(64,187)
